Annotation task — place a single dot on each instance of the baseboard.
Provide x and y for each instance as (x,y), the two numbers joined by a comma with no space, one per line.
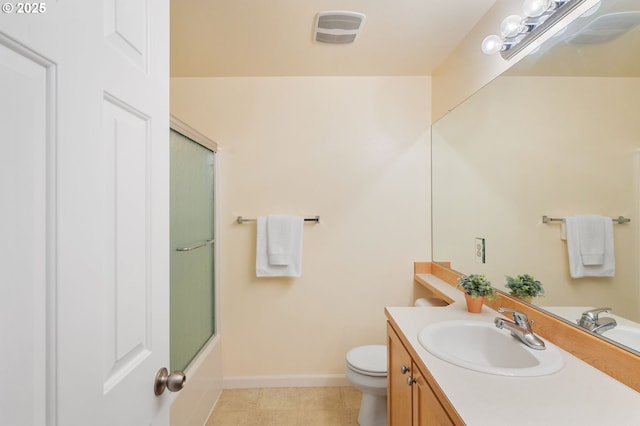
(285,381)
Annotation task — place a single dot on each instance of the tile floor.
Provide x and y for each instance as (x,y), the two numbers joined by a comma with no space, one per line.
(328,406)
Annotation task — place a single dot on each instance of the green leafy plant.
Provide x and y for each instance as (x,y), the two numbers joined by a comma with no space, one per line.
(524,286)
(476,285)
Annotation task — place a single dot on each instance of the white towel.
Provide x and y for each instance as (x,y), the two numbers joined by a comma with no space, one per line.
(281,230)
(590,246)
(279,246)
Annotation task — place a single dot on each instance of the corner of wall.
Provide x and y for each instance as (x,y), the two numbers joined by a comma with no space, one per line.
(467,69)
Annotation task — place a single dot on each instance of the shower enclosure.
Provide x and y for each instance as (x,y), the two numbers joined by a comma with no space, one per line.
(195,340)
(192,313)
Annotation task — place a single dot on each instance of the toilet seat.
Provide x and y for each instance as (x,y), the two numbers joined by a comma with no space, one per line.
(370,360)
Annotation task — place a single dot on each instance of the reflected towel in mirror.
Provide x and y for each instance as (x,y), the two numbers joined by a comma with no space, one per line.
(590,245)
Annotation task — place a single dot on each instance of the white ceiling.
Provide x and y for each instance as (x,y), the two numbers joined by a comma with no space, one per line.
(275,37)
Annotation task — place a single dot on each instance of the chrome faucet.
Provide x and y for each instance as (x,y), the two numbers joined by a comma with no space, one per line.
(591,321)
(520,328)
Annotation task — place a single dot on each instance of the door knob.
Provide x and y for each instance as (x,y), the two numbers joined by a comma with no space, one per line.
(174,381)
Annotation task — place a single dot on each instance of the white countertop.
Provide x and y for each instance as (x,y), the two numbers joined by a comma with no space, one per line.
(579,394)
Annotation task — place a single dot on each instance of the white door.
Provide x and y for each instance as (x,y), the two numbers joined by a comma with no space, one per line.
(84,216)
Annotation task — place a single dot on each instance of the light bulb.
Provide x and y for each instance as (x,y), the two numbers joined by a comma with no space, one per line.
(535,8)
(511,26)
(492,44)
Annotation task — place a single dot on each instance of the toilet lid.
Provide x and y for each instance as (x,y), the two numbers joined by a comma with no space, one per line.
(370,360)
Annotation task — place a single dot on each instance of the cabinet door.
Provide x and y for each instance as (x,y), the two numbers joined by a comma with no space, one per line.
(427,410)
(398,390)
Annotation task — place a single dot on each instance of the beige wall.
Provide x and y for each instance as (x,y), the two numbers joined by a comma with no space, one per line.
(353,150)
(528,146)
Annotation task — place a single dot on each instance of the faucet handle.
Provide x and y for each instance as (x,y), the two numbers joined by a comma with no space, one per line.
(592,314)
(520,318)
(589,319)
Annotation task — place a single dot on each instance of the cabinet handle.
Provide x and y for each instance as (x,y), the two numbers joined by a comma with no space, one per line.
(411,381)
(404,369)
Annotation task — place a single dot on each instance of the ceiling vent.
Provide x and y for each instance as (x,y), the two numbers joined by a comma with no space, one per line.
(338,26)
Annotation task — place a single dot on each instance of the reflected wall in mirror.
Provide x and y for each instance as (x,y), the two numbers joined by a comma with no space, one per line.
(558,135)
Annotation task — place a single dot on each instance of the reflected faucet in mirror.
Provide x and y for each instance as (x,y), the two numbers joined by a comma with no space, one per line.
(590,320)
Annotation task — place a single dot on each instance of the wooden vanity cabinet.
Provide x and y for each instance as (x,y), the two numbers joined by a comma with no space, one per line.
(411,401)
(399,392)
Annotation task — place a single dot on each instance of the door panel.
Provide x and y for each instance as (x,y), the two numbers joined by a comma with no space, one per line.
(84,259)
(127,303)
(126,29)
(136,194)
(26,305)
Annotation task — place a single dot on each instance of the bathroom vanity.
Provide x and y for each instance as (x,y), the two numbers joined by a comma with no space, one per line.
(414,397)
(424,389)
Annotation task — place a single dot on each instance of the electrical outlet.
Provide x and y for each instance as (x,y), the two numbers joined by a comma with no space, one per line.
(479,250)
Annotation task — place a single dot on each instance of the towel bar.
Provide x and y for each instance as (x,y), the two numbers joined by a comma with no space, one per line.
(619,219)
(242,220)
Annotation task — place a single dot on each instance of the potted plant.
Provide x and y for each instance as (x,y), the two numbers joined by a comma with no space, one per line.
(476,288)
(524,287)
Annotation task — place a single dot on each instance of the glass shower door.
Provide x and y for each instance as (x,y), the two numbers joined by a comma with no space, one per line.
(192,249)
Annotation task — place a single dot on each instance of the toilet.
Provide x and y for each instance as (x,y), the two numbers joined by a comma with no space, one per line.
(366,369)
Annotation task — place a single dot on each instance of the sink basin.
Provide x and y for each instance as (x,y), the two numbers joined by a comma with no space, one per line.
(481,346)
(628,336)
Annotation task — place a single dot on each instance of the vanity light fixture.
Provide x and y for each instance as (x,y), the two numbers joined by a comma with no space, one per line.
(535,8)
(517,31)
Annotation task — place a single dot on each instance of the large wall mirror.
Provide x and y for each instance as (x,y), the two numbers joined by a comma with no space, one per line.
(558,134)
